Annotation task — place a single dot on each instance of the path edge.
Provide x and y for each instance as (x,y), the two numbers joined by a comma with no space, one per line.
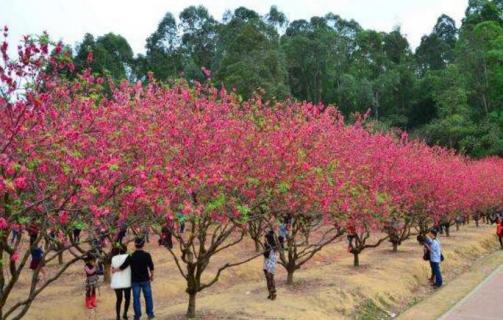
(472,292)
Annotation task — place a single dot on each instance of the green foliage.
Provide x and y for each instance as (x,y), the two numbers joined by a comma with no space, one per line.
(112,55)
(248,56)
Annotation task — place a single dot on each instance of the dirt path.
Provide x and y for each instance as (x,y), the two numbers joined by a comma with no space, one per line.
(475,294)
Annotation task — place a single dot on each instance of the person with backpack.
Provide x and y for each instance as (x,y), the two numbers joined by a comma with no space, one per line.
(270,261)
(426,255)
(436,256)
(142,274)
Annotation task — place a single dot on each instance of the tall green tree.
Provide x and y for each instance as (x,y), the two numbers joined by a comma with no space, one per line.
(248,56)
(199,37)
(163,55)
(436,50)
(111,56)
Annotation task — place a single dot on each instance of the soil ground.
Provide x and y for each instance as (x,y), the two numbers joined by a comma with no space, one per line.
(328,287)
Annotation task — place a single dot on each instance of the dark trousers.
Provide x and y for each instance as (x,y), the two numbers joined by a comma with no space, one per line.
(76,235)
(15,236)
(90,291)
(500,238)
(271,284)
(437,273)
(281,242)
(119,294)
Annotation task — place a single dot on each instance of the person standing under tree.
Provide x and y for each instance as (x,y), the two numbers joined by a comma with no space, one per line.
(283,231)
(166,238)
(37,263)
(142,274)
(499,230)
(119,238)
(121,281)
(270,263)
(91,282)
(435,249)
(426,255)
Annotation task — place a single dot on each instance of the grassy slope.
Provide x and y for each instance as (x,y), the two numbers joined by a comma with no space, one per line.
(327,288)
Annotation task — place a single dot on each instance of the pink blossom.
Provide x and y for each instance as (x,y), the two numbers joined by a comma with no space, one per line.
(3,223)
(20,183)
(14,257)
(64,217)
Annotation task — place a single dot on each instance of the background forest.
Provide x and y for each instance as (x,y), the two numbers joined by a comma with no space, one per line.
(449,91)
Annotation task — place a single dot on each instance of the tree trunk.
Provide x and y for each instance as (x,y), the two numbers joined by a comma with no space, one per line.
(191,309)
(107,272)
(395,247)
(447,234)
(289,278)
(477,223)
(356,260)
(257,245)
(457,226)
(60,258)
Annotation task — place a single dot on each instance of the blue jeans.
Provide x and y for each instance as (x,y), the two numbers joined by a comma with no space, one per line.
(438,274)
(147,293)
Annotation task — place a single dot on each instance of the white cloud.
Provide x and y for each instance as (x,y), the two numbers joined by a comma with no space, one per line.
(68,20)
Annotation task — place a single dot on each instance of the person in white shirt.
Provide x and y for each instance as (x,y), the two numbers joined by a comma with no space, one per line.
(121,281)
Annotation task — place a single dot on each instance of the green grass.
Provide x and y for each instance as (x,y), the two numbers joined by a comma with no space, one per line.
(368,310)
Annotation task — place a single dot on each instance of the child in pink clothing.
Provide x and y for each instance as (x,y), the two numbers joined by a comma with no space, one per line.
(91,281)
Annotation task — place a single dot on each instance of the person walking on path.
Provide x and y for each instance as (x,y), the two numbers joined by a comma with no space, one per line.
(121,281)
(142,274)
(435,249)
(499,230)
(270,263)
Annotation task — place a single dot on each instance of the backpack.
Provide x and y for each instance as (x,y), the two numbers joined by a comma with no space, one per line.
(426,255)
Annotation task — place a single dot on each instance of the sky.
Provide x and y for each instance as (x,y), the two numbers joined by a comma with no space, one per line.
(69,20)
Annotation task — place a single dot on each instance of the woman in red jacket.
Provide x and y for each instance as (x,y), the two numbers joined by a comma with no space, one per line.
(499,230)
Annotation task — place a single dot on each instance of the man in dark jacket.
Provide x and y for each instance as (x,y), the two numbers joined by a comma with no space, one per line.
(142,273)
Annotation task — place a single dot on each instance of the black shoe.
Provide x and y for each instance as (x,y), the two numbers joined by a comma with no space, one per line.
(125,317)
(273,296)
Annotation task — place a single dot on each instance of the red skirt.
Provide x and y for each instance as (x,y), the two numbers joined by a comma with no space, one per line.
(34,263)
